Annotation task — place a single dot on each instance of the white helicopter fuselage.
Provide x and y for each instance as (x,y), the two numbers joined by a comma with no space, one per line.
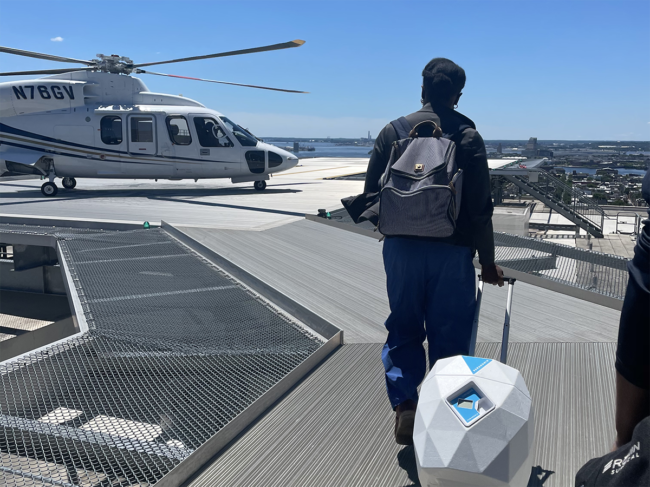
(102,125)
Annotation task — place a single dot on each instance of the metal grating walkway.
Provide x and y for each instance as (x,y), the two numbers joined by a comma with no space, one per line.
(175,349)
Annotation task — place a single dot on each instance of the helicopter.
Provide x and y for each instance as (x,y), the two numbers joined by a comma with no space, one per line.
(100,121)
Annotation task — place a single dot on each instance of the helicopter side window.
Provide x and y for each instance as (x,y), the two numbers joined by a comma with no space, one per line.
(141,129)
(210,133)
(179,131)
(111,130)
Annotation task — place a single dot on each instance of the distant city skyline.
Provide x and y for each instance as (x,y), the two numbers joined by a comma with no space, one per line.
(560,70)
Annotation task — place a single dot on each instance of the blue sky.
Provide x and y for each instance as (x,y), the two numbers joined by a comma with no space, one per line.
(554,69)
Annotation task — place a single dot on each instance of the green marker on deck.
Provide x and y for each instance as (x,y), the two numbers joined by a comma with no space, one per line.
(146,225)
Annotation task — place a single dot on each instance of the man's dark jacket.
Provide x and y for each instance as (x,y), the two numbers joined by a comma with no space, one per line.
(474,225)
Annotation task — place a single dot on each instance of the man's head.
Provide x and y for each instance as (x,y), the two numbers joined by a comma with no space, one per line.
(442,82)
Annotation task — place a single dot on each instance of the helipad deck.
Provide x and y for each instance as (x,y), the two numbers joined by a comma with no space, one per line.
(334,427)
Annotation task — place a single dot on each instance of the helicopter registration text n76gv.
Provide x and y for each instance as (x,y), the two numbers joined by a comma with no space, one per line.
(101,122)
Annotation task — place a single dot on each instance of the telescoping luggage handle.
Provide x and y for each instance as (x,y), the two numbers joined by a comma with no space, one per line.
(506,321)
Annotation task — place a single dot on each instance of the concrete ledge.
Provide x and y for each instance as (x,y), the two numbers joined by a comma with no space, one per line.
(37,306)
(10,238)
(50,221)
(26,342)
(44,279)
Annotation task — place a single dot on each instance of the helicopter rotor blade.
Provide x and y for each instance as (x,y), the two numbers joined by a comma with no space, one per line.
(38,55)
(45,71)
(220,82)
(273,47)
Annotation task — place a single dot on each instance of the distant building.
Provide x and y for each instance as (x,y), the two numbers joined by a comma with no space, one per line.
(532,150)
(499,149)
(532,144)
(607,172)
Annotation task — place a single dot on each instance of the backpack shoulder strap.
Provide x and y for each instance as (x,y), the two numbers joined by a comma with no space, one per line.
(402,127)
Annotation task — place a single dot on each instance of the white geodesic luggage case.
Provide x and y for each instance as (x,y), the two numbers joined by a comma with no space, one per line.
(474,424)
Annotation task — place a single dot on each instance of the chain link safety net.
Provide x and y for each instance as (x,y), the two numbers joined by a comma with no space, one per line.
(175,349)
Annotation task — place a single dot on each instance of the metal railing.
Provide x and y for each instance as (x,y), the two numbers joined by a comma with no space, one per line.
(636,224)
(570,202)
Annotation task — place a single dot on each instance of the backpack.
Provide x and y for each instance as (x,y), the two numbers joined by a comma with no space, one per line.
(421,187)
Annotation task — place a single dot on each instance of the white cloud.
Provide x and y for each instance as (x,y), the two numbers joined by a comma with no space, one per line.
(57,39)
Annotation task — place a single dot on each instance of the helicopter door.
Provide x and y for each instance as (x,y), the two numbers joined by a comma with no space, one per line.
(182,147)
(222,157)
(142,134)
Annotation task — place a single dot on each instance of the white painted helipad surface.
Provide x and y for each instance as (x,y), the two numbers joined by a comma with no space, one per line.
(214,203)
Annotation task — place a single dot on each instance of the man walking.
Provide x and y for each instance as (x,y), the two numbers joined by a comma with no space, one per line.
(429,280)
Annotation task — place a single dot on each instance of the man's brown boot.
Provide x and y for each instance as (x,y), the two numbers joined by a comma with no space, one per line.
(404,419)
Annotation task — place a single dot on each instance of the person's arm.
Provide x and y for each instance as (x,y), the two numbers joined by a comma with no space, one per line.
(477,194)
(379,158)
(477,200)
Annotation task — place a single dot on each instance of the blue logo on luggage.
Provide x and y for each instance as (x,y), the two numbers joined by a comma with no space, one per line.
(476,363)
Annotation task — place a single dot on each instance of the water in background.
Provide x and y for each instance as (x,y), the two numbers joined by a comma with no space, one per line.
(326,149)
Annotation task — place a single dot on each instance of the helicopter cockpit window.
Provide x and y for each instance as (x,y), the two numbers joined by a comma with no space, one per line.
(141,129)
(244,137)
(210,133)
(179,131)
(111,130)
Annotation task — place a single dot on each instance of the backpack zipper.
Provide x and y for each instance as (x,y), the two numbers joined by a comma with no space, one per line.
(418,178)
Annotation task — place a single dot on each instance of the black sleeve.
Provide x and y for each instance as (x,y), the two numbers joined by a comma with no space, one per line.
(477,194)
(628,466)
(634,329)
(379,158)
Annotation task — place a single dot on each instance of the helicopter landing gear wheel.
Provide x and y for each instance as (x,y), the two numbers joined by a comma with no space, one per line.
(69,183)
(260,185)
(49,189)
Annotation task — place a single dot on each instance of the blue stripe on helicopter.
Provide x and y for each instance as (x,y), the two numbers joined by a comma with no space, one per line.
(30,135)
(79,156)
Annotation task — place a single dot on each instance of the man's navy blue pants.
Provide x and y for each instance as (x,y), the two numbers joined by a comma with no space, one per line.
(432,294)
